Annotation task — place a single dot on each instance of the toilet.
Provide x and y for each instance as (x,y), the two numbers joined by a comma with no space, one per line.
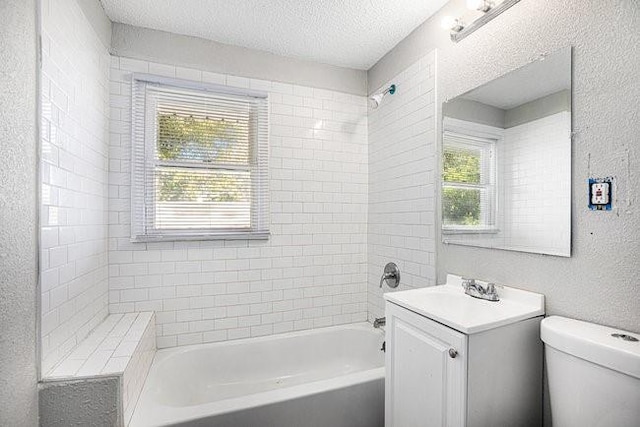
(593,373)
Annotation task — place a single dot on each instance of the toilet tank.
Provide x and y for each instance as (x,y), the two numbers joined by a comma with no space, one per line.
(594,376)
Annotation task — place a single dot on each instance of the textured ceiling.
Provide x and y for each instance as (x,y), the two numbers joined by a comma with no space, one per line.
(349,33)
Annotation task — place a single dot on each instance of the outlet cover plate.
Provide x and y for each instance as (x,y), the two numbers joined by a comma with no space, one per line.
(600,194)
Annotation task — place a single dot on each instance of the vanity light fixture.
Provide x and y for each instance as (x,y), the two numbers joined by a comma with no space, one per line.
(481,5)
(489,9)
(450,23)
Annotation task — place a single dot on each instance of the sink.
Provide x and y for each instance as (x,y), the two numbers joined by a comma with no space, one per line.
(449,305)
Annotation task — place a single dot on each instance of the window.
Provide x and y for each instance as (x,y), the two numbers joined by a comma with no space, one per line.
(468,183)
(199,162)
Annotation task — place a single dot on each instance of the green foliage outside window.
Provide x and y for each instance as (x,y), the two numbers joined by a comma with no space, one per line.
(461,206)
(205,141)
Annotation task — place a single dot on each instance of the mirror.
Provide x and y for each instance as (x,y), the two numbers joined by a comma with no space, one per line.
(506,161)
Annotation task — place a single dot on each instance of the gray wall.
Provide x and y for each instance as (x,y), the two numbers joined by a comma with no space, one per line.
(599,283)
(477,112)
(18,220)
(538,108)
(474,111)
(98,19)
(186,51)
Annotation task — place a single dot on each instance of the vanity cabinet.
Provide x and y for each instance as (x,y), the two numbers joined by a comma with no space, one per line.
(439,376)
(426,366)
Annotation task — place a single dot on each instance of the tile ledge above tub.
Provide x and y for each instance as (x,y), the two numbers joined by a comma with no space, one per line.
(121,346)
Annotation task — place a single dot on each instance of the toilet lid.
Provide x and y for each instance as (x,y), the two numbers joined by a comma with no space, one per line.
(613,348)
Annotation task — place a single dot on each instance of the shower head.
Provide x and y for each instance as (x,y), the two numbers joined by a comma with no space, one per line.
(376,100)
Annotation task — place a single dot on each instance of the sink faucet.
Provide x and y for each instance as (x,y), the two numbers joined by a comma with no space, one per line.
(476,290)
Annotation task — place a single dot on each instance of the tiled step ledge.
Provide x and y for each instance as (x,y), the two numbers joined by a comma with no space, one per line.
(122,346)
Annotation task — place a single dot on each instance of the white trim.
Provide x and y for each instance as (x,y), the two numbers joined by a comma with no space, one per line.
(178,237)
(202,86)
(477,129)
(462,230)
(143,162)
(476,135)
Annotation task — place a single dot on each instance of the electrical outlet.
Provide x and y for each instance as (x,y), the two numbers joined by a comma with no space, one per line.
(600,193)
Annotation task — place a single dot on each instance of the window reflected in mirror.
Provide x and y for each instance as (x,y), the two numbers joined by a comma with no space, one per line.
(506,161)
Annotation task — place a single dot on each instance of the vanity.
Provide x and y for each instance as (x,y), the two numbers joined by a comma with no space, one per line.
(456,360)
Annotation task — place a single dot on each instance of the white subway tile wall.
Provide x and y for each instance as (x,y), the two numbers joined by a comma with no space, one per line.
(137,368)
(123,345)
(402,173)
(108,349)
(534,158)
(310,273)
(74,179)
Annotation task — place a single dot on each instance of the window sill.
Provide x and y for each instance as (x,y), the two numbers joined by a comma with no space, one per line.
(192,237)
(470,230)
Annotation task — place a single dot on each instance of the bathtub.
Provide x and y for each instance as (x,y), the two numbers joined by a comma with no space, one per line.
(324,377)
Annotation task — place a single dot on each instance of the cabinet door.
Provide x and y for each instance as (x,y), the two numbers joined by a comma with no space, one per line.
(425,384)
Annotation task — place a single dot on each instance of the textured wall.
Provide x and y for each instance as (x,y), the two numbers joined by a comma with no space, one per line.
(179,50)
(87,403)
(402,166)
(599,282)
(18,219)
(312,270)
(75,144)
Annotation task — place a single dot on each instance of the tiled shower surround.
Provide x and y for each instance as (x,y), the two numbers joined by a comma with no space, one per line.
(312,270)
(537,149)
(402,172)
(74,188)
(347,195)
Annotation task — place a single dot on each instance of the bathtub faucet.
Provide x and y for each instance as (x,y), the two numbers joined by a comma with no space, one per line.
(380,321)
(391,275)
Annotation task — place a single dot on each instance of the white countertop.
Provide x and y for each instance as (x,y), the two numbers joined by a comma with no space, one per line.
(449,305)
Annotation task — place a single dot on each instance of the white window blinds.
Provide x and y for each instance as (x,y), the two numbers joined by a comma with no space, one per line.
(199,163)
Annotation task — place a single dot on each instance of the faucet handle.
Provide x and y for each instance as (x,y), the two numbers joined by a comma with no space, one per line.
(468,282)
(391,275)
(491,293)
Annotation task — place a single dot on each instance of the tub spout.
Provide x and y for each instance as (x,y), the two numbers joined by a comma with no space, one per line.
(380,321)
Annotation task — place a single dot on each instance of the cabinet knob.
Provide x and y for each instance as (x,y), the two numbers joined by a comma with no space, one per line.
(453,353)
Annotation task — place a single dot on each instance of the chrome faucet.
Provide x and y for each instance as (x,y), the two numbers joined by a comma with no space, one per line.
(380,321)
(476,290)
(391,275)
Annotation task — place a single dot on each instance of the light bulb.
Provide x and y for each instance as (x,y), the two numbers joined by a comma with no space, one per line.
(453,24)
(448,22)
(475,4)
(481,5)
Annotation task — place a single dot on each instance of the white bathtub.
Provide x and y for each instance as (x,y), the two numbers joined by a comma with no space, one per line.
(330,377)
